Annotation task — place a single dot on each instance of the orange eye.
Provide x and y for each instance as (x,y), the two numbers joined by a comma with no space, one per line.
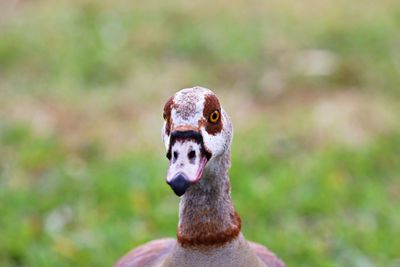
(214,116)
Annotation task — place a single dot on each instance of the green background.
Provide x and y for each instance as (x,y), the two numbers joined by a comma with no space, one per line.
(312,87)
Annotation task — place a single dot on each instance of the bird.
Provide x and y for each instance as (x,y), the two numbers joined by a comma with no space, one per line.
(197,134)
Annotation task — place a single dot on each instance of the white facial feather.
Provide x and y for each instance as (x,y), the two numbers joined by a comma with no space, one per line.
(191,104)
(188,112)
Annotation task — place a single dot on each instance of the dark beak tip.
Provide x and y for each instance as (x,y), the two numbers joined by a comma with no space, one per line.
(179,193)
(179,184)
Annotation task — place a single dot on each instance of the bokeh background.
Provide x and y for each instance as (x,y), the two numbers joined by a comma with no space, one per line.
(313,89)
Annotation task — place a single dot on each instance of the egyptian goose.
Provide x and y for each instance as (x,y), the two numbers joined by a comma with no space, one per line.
(197,135)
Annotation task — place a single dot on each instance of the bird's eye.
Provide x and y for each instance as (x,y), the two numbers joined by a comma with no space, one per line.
(165,116)
(214,116)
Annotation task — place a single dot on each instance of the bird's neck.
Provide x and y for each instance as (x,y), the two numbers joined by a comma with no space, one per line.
(206,213)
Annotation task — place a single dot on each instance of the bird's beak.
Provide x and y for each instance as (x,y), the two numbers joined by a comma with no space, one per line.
(188,158)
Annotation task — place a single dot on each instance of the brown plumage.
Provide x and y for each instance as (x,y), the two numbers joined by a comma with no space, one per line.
(197,134)
(155,252)
(149,254)
(269,258)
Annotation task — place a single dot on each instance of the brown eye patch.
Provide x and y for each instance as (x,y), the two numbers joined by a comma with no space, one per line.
(167,114)
(212,112)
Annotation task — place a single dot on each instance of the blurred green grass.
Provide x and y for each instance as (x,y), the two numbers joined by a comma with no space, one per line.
(315,171)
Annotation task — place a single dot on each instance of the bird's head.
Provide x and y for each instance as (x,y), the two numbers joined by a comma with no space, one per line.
(196,132)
